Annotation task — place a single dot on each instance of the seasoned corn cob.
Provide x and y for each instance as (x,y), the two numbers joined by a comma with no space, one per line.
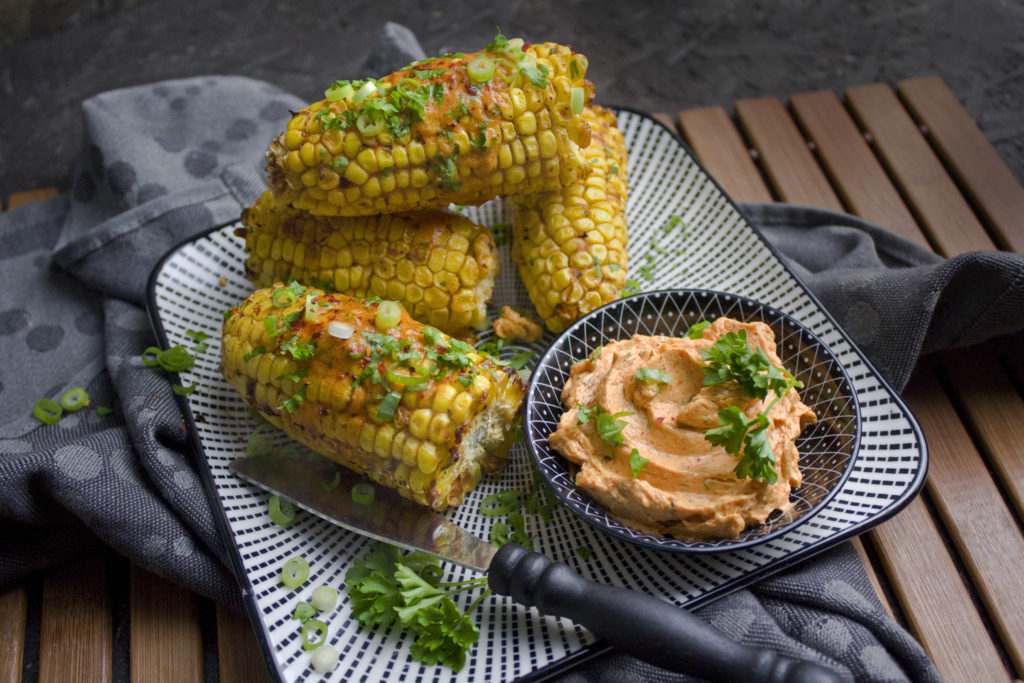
(370,388)
(457,129)
(438,264)
(570,244)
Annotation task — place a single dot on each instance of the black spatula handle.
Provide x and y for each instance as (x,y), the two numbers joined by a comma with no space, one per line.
(642,625)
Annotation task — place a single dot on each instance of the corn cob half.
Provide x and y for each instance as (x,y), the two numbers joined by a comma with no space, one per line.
(462,129)
(367,386)
(570,244)
(437,263)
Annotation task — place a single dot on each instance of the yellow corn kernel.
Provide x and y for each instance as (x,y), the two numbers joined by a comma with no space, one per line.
(419,423)
(426,457)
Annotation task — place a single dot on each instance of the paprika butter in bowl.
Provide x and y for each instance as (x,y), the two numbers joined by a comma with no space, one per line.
(692,421)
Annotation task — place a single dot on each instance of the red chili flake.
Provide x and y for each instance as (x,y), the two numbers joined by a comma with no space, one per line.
(472,90)
(661,419)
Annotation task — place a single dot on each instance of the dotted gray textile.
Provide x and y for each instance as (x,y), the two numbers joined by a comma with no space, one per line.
(162,162)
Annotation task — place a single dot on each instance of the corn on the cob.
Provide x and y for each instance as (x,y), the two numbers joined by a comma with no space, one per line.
(457,129)
(370,388)
(438,264)
(570,244)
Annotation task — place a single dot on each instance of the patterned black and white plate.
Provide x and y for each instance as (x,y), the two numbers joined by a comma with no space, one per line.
(827,448)
(684,233)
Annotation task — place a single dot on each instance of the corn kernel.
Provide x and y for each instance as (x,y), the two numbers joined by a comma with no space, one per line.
(426,457)
(419,423)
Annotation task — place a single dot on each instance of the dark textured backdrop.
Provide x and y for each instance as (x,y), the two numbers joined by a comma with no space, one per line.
(654,55)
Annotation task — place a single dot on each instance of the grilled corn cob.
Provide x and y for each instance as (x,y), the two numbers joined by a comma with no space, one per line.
(457,129)
(570,244)
(370,388)
(438,264)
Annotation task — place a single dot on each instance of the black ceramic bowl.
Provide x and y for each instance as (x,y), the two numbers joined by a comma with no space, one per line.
(827,448)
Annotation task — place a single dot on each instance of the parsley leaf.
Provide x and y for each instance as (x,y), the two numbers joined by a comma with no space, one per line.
(609,427)
(637,462)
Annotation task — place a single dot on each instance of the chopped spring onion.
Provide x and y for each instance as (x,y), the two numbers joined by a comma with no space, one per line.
(480,69)
(576,100)
(47,410)
(74,399)
(324,598)
(338,91)
(174,359)
(314,633)
(363,493)
(419,374)
(365,91)
(388,406)
(324,659)
(388,315)
(340,330)
(281,510)
(309,315)
(149,356)
(182,390)
(103,411)
(370,128)
(282,297)
(294,572)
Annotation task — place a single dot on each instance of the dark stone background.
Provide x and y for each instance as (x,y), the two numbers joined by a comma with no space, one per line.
(659,56)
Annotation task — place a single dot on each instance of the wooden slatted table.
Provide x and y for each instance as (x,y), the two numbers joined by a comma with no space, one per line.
(948,567)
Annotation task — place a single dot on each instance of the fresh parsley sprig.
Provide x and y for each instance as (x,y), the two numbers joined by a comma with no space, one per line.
(387,586)
(731,358)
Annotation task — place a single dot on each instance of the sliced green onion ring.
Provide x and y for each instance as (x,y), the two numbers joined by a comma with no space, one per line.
(338,91)
(365,91)
(294,572)
(388,406)
(175,359)
(480,69)
(576,100)
(47,410)
(283,296)
(419,374)
(324,598)
(281,510)
(363,493)
(324,659)
(369,128)
(150,356)
(314,633)
(74,399)
(388,315)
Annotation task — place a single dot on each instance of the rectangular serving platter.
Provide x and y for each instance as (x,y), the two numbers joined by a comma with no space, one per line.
(713,247)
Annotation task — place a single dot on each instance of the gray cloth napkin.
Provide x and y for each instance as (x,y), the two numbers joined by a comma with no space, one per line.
(162,162)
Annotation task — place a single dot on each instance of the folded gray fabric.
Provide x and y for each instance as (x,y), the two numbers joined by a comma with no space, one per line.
(164,161)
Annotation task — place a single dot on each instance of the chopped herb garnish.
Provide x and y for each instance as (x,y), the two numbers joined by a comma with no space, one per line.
(636,463)
(653,375)
(696,330)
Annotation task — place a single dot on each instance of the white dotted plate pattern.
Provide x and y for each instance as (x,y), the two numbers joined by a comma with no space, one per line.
(713,247)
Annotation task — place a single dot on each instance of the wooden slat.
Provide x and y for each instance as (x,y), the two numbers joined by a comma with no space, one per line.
(13,612)
(21,198)
(166,637)
(941,210)
(239,655)
(717,143)
(938,608)
(949,627)
(982,528)
(849,162)
(75,630)
(977,166)
(784,154)
(996,414)
(712,134)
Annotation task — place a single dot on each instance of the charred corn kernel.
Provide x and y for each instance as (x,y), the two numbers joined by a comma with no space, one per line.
(394,256)
(465,167)
(576,234)
(343,393)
